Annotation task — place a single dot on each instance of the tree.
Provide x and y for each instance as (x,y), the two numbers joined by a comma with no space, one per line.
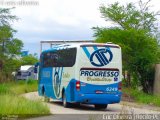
(6,17)
(14,47)
(29,60)
(134,34)
(129,16)
(6,32)
(10,47)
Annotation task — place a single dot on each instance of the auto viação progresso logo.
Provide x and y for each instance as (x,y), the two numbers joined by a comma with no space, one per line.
(103,56)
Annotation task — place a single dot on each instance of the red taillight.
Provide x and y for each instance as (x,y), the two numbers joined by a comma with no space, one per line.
(120,86)
(78,85)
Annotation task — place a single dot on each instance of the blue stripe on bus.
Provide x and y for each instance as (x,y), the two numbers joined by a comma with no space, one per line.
(86,51)
(61,73)
(108,48)
(95,48)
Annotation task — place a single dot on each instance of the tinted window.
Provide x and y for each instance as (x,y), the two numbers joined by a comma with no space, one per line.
(60,58)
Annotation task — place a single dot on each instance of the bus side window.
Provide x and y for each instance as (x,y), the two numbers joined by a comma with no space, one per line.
(60,58)
(54,59)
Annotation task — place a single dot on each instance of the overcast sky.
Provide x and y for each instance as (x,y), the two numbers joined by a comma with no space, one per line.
(60,20)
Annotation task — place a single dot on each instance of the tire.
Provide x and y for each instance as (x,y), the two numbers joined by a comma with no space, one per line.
(100,106)
(64,100)
(77,104)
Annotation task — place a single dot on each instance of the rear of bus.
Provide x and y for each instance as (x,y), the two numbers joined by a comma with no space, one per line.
(99,72)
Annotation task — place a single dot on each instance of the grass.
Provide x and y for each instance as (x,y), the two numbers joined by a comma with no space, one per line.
(142,97)
(18,87)
(12,103)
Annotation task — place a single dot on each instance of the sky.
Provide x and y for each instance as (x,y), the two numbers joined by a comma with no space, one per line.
(59,19)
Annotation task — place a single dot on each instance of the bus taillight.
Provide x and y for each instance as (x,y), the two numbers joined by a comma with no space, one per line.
(78,85)
(120,86)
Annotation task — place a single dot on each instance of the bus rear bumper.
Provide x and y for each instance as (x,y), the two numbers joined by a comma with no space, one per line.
(98,98)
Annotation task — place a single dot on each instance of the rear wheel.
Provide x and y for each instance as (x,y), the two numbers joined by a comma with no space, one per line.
(77,104)
(65,103)
(100,106)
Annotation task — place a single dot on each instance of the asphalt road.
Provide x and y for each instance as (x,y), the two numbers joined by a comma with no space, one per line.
(87,112)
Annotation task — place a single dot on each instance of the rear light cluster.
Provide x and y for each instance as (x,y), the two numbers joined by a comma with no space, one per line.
(78,85)
(120,86)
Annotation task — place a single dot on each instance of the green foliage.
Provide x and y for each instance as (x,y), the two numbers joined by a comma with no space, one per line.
(10,47)
(6,17)
(29,60)
(4,89)
(134,34)
(7,40)
(11,65)
(130,16)
(14,47)
(12,103)
(18,87)
(142,97)
(138,47)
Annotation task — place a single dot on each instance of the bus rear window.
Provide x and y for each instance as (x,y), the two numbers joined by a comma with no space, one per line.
(60,58)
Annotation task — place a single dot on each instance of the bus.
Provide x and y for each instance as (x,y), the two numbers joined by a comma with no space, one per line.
(84,73)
